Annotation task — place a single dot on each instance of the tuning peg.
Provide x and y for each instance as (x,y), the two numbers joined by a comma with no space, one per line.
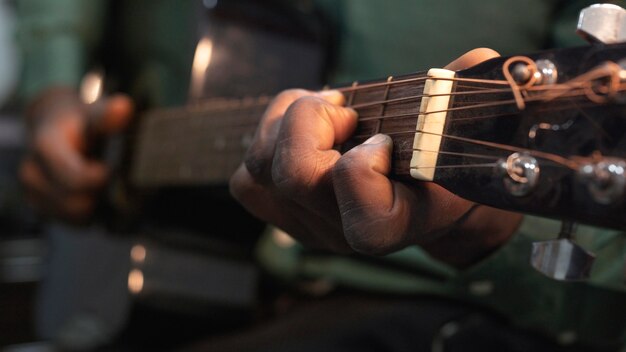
(562,259)
(604,23)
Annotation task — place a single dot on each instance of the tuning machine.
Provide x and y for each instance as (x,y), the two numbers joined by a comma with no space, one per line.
(562,259)
(520,173)
(545,72)
(602,23)
(605,180)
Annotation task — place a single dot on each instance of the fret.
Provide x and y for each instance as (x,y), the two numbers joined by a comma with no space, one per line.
(384,105)
(378,118)
(350,100)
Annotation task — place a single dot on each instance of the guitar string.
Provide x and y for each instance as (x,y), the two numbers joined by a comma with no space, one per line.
(457,166)
(469,155)
(547,156)
(173,114)
(362,87)
(566,90)
(541,154)
(496,103)
(611,71)
(413,114)
(544,155)
(246,120)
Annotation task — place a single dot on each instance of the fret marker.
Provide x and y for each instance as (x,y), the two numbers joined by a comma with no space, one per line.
(430,123)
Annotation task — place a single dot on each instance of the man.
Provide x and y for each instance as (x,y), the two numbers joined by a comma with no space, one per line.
(292,177)
(377,39)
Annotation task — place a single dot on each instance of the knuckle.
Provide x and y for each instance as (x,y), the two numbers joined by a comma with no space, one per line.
(346,166)
(307,105)
(295,171)
(239,184)
(290,95)
(363,241)
(285,176)
(257,164)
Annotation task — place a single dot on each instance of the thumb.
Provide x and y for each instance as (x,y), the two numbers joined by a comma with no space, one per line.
(471,58)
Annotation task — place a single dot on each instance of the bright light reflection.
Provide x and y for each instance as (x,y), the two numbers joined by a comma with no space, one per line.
(201,62)
(135,281)
(91,87)
(138,253)
(282,239)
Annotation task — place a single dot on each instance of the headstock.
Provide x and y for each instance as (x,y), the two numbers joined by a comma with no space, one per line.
(546,133)
(557,137)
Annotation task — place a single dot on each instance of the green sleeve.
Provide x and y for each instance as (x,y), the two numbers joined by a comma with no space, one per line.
(592,311)
(56,39)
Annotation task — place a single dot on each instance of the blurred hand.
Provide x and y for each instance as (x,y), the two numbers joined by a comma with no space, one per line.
(293,178)
(59,178)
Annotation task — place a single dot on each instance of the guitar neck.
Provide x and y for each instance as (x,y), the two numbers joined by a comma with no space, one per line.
(203,144)
(200,144)
(553,148)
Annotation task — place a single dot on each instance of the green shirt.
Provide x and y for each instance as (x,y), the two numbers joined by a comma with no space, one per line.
(375,39)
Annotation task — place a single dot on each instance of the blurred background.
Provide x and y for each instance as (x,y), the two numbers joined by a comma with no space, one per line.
(159,282)
(146,275)
(22,248)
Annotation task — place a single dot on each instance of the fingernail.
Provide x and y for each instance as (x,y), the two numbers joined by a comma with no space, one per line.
(332,96)
(329,92)
(377,139)
(352,111)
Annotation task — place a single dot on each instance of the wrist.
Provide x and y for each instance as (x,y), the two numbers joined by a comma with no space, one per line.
(478,233)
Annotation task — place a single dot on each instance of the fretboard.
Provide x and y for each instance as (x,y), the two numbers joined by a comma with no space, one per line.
(203,144)
(193,145)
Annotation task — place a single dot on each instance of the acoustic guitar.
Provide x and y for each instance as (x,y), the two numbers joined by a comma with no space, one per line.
(540,134)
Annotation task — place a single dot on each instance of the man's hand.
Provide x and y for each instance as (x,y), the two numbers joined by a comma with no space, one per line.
(58,176)
(293,178)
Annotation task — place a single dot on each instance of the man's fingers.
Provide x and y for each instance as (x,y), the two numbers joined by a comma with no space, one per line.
(65,164)
(112,114)
(304,148)
(375,212)
(311,230)
(51,199)
(260,201)
(471,58)
(258,159)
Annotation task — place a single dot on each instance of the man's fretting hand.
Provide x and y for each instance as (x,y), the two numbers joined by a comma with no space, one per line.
(293,178)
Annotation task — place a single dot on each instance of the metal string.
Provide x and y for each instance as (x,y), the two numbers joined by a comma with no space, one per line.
(576,87)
